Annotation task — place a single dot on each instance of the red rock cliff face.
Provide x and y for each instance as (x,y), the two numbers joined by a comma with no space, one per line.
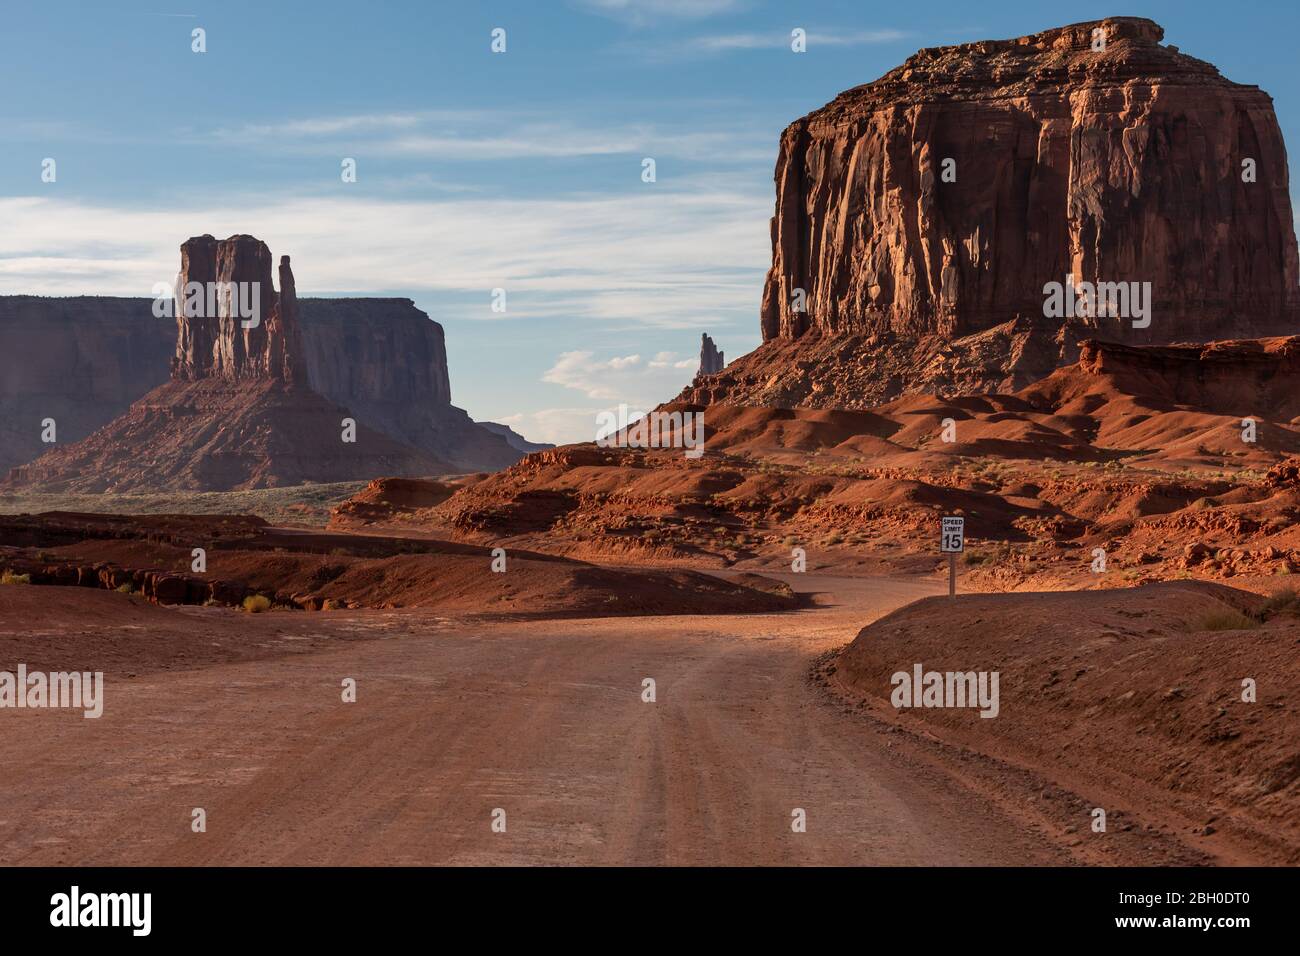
(260,341)
(1255,377)
(1123,164)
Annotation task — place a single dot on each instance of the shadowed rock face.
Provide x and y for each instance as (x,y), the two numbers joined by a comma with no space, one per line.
(260,342)
(1122,164)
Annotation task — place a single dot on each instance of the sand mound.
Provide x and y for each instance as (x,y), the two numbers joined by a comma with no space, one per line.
(390,500)
(1109,453)
(1126,687)
(218,435)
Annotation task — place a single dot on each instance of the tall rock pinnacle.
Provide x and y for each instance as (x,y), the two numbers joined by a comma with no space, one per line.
(711,361)
(231,323)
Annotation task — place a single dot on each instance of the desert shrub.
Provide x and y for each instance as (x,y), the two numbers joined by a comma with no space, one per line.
(257,603)
(9,577)
(126,588)
(1285,601)
(1229,619)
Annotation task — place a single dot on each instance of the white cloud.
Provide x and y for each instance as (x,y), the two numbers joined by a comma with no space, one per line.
(661,50)
(623,379)
(596,379)
(650,256)
(670,360)
(493,135)
(643,12)
(326,125)
(559,426)
(770,41)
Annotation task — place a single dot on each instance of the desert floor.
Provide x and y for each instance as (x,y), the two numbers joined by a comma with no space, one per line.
(456,718)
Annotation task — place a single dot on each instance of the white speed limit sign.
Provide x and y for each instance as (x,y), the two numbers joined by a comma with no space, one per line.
(952,535)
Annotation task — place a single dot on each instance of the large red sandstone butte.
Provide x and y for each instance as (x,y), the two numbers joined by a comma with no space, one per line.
(1118,164)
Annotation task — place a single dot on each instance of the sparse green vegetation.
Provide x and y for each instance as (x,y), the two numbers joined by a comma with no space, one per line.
(127,588)
(10,577)
(1229,619)
(1285,601)
(303,505)
(257,603)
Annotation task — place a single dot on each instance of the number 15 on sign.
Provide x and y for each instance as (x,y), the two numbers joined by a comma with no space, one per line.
(952,541)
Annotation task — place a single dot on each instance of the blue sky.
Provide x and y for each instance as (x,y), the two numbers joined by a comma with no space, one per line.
(477,170)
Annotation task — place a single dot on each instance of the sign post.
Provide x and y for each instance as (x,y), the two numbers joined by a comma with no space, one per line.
(952,542)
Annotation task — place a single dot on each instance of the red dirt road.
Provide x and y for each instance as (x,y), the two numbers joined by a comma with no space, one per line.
(543,720)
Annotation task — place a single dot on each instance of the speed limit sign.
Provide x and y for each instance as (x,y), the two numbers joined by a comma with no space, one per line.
(952,535)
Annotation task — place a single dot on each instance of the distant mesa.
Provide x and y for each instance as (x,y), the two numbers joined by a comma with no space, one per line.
(515,440)
(238,411)
(919,217)
(83,360)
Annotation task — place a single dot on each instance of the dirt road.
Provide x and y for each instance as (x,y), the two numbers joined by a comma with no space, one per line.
(544,721)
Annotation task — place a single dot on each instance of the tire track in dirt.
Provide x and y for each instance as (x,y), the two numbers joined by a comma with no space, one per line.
(543,719)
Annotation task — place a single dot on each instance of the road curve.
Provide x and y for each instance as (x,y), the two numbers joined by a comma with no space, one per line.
(544,721)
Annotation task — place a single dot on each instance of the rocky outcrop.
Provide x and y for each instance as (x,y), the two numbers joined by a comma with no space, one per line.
(938,202)
(711,360)
(1255,378)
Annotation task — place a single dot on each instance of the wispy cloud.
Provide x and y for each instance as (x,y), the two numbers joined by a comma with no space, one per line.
(771,41)
(594,378)
(666,50)
(560,426)
(647,257)
(629,380)
(646,12)
(486,135)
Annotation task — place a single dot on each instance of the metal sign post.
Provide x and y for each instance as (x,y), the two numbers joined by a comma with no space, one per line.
(952,542)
